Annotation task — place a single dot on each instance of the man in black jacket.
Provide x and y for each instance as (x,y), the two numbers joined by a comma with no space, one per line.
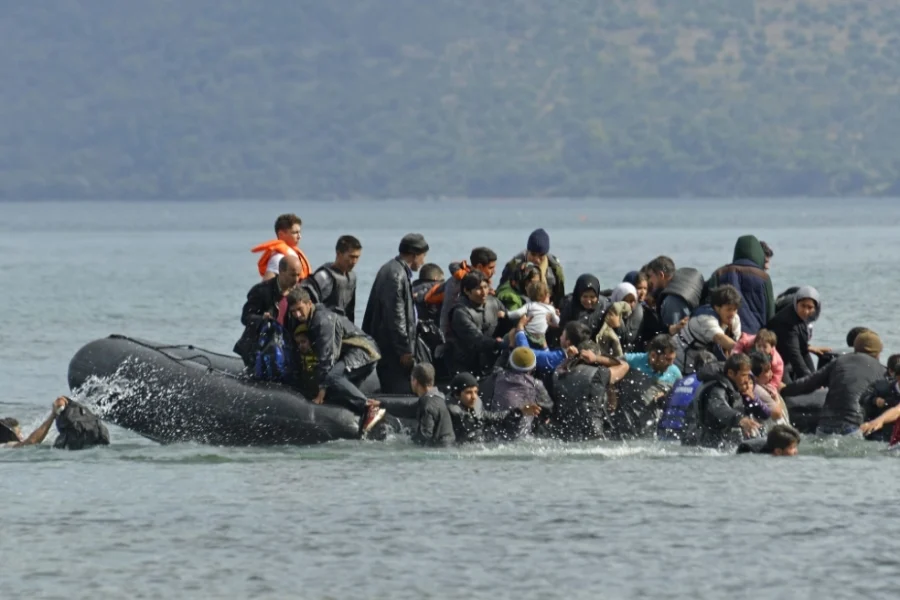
(717,409)
(345,357)
(435,427)
(266,300)
(391,315)
(847,378)
(471,423)
(473,321)
(334,284)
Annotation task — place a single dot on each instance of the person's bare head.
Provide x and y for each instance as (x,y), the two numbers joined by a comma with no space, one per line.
(289,270)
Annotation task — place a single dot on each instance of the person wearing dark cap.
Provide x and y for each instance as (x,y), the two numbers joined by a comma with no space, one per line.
(537,251)
(847,378)
(471,423)
(390,316)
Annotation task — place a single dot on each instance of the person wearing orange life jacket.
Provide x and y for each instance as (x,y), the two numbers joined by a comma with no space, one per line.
(287,241)
(480,259)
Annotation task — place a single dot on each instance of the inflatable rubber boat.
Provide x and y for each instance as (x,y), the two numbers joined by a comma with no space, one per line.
(184,393)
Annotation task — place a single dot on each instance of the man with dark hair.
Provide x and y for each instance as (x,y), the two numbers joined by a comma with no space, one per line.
(481,259)
(783,440)
(345,357)
(748,275)
(715,327)
(537,251)
(434,425)
(334,284)
(473,346)
(472,423)
(851,335)
(267,300)
(428,327)
(674,293)
(286,243)
(391,314)
(11,433)
(658,361)
(717,409)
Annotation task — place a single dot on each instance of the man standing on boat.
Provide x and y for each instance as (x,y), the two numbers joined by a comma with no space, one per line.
(334,284)
(345,357)
(286,243)
(391,314)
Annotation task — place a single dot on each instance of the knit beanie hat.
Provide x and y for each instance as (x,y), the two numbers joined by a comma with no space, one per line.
(869,343)
(522,359)
(539,242)
(413,243)
(462,381)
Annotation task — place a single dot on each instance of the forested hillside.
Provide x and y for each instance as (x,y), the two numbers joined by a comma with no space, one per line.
(412,98)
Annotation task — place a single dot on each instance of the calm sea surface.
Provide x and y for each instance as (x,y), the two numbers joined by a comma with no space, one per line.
(387,520)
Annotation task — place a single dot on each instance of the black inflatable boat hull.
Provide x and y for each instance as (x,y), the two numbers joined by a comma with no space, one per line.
(183,393)
(804,410)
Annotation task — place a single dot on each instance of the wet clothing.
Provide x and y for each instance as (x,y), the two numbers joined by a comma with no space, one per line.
(513,389)
(681,296)
(264,297)
(746,273)
(641,362)
(572,309)
(629,331)
(472,346)
(434,426)
(476,425)
(673,421)
(345,356)
(847,378)
(579,401)
(552,274)
(888,390)
(793,343)
(715,413)
(755,446)
(390,319)
(334,289)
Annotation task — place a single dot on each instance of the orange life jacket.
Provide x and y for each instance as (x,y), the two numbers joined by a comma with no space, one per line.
(277,246)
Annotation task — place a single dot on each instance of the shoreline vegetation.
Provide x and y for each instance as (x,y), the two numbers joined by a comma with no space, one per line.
(450,98)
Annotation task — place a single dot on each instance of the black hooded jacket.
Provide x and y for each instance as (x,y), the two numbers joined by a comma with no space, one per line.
(715,411)
(793,343)
(572,310)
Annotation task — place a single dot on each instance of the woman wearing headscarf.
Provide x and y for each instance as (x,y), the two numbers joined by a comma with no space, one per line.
(585,304)
(631,322)
(792,326)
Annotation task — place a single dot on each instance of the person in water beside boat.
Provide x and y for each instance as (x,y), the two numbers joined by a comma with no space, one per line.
(782,440)
(11,432)
(267,300)
(390,316)
(345,357)
(847,378)
(880,397)
(288,229)
(334,284)
(472,423)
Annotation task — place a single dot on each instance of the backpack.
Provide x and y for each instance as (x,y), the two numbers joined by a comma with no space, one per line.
(79,428)
(273,359)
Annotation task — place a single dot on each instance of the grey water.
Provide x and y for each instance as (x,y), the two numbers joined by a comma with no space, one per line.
(388,520)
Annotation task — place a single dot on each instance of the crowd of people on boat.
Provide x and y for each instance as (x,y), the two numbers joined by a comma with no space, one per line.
(666,353)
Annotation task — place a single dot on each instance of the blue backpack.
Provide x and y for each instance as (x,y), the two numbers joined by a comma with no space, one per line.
(273,358)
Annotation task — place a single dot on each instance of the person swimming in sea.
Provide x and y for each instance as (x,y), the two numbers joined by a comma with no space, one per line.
(11,432)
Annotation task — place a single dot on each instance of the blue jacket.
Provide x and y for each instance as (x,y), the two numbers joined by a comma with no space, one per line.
(747,275)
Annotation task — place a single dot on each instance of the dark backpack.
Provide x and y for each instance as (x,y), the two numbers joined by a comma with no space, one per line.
(273,359)
(79,428)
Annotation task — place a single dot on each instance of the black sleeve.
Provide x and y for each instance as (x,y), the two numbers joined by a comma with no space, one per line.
(792,354)
(392,296)
(810,383)
(323,332)
(255,307)
(719,413)
(468,334)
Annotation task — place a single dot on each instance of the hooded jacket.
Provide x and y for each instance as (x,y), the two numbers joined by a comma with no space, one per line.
(715,411)
(572,310)
(746,273)
(847,378)
(794,334)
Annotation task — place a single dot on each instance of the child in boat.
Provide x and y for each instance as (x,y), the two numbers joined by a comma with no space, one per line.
(764,341)
(305,361)
(607,338)
(540,312)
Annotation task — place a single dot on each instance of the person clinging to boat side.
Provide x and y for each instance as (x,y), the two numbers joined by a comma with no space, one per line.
(11,433)
(286,243)
(345,357)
